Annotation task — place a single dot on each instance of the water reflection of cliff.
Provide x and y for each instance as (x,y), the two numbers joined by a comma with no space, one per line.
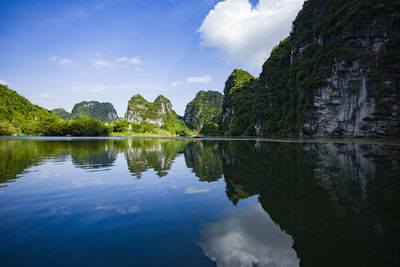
(94,154)
(339,202)
(157,154)
(204,158)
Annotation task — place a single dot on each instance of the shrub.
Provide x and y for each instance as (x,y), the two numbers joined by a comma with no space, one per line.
(7,129)
(88,127)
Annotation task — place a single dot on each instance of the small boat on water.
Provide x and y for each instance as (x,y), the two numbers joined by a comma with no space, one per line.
(198,136)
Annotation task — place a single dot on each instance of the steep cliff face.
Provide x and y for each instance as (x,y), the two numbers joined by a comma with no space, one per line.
(338,74)
(360,75)
(93,109)
(237,110)
(159,112)
(205,107)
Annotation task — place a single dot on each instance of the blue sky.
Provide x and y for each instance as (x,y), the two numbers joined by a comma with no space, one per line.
(58,53)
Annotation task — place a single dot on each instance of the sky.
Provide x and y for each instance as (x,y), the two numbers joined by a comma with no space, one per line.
(59,53)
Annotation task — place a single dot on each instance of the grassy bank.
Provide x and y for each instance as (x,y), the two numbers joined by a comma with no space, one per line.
(132,134)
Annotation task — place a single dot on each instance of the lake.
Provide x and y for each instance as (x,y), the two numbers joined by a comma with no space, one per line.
(163,202)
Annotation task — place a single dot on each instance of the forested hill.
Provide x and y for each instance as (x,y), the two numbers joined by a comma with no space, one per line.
(205,108)
(337,74)
(95,110)
(19,115)
(158,113)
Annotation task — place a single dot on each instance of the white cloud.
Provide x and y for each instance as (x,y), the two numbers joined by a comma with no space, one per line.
(60,60)
(102,63)
(121,59)
(192,190)
(134,61)
(117,62)
(5,83)
(199,79)
(65,61)
(246,34)
(176,83)
(45,95)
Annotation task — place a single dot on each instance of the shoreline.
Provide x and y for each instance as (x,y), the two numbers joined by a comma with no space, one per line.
(359,141)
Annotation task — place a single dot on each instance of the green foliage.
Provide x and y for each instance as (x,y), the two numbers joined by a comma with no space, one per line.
(324,33)
(7,129)
(21,114)
(52,127)
(241,91)
(145,116)
(62,113)
(88,127)
(210,129)
(95,110)
(205,107)
(121,125)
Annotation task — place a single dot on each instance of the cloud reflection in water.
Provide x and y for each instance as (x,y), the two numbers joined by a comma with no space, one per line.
(248,237)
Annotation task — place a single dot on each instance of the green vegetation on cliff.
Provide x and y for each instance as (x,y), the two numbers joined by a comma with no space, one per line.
(240,94)
(205,108)
(336,51)
(95,110)
(62,113)
(144,116)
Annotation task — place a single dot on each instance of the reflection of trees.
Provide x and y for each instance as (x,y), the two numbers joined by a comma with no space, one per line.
(93,154)
(205,159)
(157,154)
(339,202)
(19,154)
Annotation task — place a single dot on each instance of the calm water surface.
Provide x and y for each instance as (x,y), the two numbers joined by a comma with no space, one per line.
(152,202)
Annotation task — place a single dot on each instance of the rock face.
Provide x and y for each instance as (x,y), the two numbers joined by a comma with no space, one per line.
(359,95)
(93,109)
(238,101)
(158,112)
(338,74)
(62,113)
(205,107)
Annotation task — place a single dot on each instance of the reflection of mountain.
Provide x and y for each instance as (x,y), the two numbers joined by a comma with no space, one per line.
(205,159)
(93,154)
(19,154)
(339,202)
(143,154)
